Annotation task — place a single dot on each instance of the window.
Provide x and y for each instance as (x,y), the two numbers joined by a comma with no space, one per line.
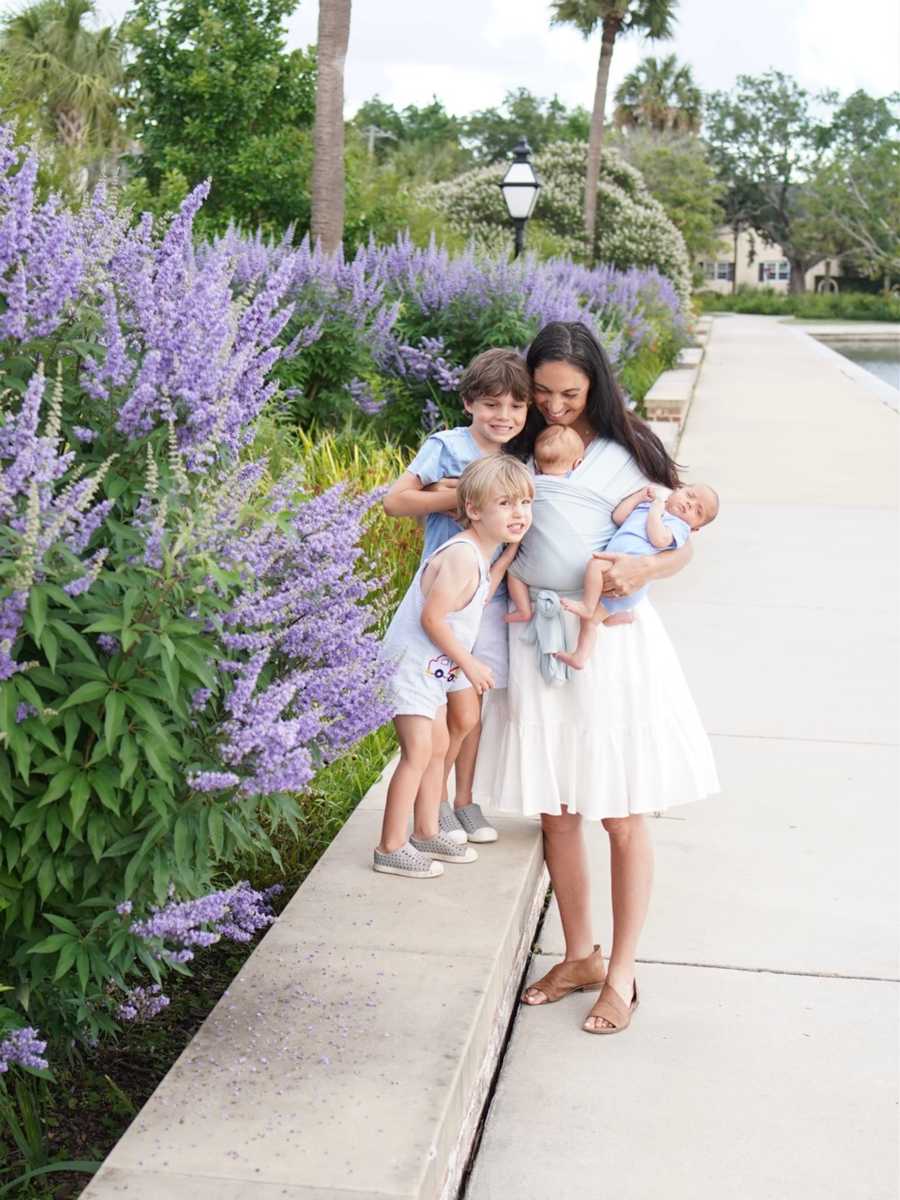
(774,269)
(725,270)
(709,270)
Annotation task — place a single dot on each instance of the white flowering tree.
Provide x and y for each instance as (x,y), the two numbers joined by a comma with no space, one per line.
(631,229)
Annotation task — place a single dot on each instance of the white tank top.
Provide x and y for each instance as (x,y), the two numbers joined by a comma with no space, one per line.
(405,633)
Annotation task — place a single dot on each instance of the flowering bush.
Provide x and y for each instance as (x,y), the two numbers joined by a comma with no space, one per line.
(389,332)
(632,229)
(182,641)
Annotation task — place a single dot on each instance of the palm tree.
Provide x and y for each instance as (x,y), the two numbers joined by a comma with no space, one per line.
(71,73)
(659,95)
(653,19)
(327,218)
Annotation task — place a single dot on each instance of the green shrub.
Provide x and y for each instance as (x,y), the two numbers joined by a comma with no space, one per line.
(807,306)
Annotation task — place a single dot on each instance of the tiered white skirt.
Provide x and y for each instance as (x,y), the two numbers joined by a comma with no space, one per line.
(622,736)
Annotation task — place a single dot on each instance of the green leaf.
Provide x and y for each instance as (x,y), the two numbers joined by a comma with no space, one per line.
(65,873)
(104,784)
(46,877)
(83,963)
(110,624)
(63,924)
(67,633)
(50,647)
(72,724)
(158,760)
(37,605)
(51,943)
(79,794)
(54,829)
(59,784)
(128,757)
(184,841)
(114,718)
(148,714)
(193,662)
(217,830)
(96,834)
(66,960)
(172,672)
(87,693)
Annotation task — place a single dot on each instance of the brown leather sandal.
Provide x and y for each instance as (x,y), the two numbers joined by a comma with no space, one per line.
(579,975)
(611,1007)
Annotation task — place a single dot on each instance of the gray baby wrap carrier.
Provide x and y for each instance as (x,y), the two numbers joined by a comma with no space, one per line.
(552,559)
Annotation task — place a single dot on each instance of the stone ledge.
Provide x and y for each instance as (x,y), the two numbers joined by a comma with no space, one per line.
(353,1051)
(670,397)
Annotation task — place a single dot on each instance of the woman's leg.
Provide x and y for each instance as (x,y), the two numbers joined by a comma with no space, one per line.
(566,857)
(631,873)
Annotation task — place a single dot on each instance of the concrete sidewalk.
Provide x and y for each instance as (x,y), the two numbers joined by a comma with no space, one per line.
(763,1061)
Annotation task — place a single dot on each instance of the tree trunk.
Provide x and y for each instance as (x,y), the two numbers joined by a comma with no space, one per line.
(611,27)
(327,221)
(797,285)
(71,127)
(736,229)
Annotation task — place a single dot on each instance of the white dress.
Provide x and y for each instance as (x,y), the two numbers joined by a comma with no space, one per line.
(623,735)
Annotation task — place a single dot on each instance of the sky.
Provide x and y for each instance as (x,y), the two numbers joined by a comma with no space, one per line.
(469,53)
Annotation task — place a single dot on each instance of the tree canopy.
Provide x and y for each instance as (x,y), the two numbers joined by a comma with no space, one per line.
(216,95)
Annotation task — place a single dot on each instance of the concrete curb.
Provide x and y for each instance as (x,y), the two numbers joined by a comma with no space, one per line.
(354,1050)
(668,401)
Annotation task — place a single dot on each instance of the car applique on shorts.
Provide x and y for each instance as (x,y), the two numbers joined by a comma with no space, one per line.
(442,667)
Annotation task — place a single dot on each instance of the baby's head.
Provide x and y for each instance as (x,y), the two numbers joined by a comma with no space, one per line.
(558,450)
(695,503)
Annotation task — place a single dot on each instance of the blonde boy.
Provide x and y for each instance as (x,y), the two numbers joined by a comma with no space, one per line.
(430,644)
(496,392)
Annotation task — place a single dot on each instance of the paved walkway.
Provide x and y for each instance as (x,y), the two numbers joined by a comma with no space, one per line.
(763,1061)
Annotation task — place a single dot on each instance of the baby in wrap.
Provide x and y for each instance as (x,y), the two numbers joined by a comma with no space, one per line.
(647,524)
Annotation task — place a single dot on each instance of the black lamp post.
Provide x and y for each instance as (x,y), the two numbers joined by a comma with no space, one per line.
(520,187)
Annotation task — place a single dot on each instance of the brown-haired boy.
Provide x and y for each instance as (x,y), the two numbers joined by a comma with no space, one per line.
(495,391)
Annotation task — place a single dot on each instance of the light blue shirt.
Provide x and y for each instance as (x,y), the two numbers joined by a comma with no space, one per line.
(444,454)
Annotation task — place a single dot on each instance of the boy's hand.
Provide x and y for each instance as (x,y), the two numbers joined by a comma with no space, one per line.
(480,676)
(649,493)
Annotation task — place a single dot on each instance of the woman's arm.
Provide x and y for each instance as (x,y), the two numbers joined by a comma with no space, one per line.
(407,497)
(630,572)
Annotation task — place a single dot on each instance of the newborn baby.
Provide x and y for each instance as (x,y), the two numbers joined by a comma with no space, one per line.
(647,522)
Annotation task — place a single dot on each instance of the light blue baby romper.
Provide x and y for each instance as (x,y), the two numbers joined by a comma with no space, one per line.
(631,538)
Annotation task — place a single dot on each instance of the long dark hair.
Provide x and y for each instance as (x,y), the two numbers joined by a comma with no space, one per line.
(572,342)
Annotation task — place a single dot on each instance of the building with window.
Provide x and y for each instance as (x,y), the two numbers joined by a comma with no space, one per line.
(760,264)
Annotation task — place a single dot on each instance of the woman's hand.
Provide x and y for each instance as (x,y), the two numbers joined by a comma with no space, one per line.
(627,574)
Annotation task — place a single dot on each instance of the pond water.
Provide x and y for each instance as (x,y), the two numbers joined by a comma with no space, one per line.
(880,358)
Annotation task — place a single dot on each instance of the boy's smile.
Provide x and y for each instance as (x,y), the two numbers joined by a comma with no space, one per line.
(496,419)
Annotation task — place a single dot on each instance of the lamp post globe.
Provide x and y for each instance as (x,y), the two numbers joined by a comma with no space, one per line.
(520,186)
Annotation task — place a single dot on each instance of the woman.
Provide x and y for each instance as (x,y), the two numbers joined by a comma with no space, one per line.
(620,738)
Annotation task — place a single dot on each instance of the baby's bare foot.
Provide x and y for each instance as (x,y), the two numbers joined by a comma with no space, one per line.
(576,661)
(576,607)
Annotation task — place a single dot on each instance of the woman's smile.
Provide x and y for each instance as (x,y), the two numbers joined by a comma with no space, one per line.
(561,394)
